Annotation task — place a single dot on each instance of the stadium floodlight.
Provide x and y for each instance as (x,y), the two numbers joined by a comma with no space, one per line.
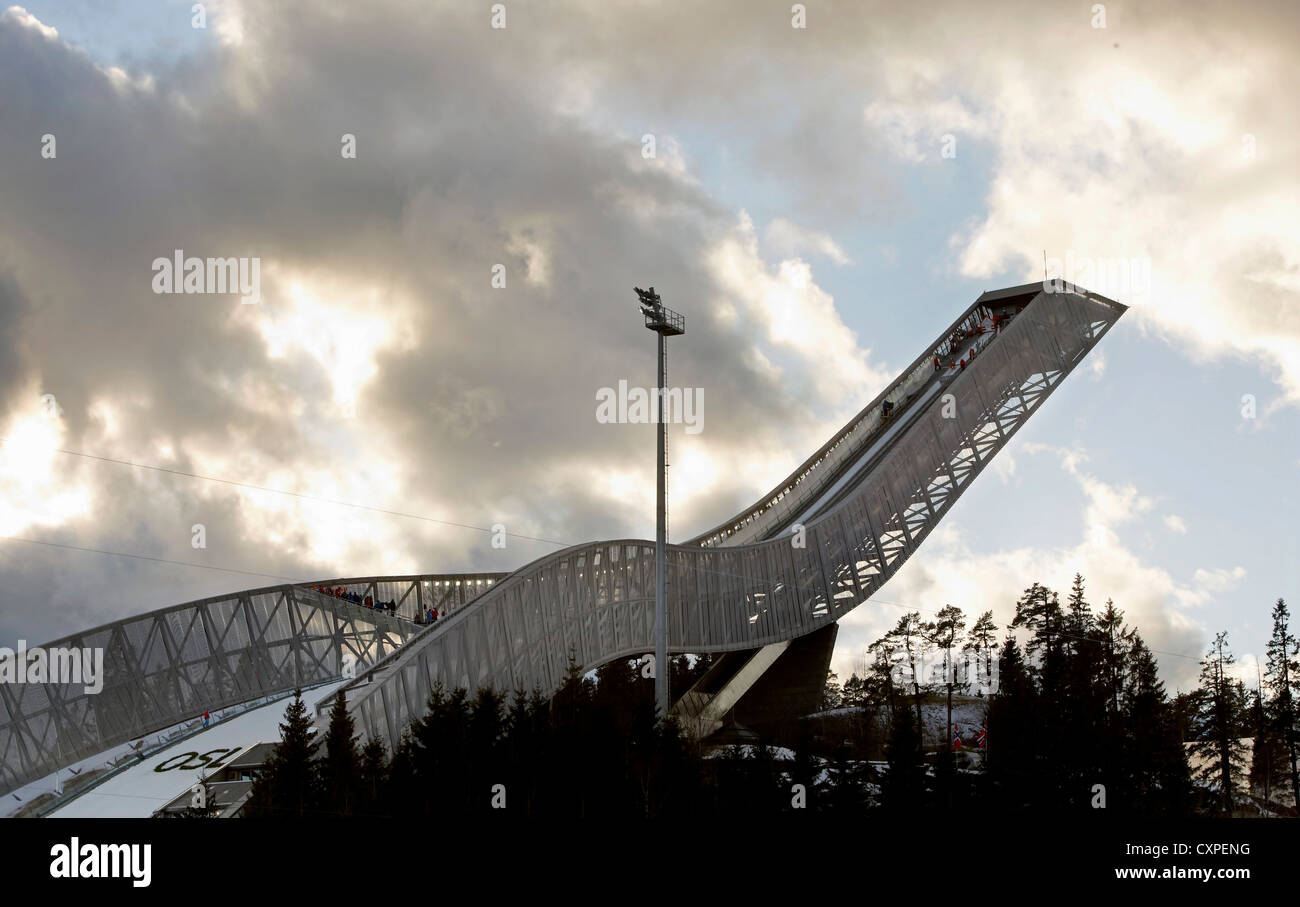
(666,323)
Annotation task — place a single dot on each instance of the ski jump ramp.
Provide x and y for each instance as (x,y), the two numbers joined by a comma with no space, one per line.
(816,546)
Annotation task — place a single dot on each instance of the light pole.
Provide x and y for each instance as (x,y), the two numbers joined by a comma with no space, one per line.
(666,323)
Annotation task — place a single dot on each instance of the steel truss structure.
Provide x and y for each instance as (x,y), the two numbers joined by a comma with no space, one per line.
(739,586)
(595,603)
(168,666)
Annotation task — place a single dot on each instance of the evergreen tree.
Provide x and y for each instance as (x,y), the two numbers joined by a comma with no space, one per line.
(910,637)
(619,683)
(880,689)
(1039,611)
(686,670)
(854,693)
(484,748)
(1056,736)
(982,643)
(944,634)
(832,695)
(847,793)
(1090,747)
(574,764)
(374,775)
(340,769)
(287,785)
(1221,719)
(526,748)
(903,786)
(440,755)
(1113,654)
(1155,776)
(1268,758)
(1078,617)
(1011,748)
(1282,679)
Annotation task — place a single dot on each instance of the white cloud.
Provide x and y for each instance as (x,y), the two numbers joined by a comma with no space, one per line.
(796,317)
(915,125)
(38,487)
(790,240)
(27,20)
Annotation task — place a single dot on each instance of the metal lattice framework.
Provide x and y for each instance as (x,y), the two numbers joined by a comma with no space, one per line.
(595,602)
(168,666)
(738,586)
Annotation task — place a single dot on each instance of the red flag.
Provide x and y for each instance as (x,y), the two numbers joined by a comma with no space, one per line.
(956,739)
(983,736)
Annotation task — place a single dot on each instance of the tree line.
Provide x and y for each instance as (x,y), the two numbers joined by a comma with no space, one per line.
(1074,714)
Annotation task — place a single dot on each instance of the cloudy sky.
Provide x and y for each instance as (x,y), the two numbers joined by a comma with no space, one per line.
(821,201)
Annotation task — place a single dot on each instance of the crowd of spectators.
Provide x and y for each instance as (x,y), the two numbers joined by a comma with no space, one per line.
(954,348)
(367,601)
(348,595)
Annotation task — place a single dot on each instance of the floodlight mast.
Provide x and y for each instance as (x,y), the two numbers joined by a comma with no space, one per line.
(666,323)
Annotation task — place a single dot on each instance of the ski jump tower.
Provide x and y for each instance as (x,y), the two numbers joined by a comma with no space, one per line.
(763,589)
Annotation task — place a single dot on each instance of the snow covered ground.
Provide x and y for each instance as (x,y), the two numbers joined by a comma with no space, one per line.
(147,785)
(967,713)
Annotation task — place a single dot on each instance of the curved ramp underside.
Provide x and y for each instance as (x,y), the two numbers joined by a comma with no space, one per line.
(595,602)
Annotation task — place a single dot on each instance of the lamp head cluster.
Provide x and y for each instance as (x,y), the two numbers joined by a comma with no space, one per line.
(658,317)
(649,301)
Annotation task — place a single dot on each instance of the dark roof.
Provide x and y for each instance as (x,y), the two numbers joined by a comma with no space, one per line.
(253,757)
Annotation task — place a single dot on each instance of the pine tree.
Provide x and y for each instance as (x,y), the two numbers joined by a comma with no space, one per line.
(909,635)
(287,784)
(374,775)
(944,634)
(1039,611)
(1089,745)
(1155,775)
(982,643)
(832,695)
(1078,618)
(574,759)
(903,786)
(1113,653)
(686,670)
(340,769)
(526,748)
(880,689)
(1055,736)
(1268,757)
(485,763)
(1011,749)
(854,693)
(440,755)
(1219,722)
(1282,679)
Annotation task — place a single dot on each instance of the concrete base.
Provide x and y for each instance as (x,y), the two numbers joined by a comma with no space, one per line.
(760,688)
